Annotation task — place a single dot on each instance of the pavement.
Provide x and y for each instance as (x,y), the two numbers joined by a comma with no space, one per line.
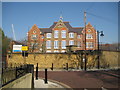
(40,83)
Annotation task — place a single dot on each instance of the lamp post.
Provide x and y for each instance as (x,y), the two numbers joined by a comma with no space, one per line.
(101,34)
(85,42)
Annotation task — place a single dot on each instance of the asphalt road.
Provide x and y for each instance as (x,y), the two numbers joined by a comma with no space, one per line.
(82,79)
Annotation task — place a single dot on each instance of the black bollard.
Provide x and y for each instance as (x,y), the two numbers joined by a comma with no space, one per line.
(52,67)
(46,76)
(66,66)
(37,72)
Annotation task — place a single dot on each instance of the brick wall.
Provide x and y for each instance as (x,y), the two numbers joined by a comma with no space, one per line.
(56,27)
(107,58)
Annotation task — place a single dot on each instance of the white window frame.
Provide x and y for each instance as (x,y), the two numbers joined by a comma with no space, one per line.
(71,35)
(63,33)
(34,36)
(56,44)
(71,42)
(89,45)
(56,34)
(48,44)
(89,36)
(48,35)
(63,44)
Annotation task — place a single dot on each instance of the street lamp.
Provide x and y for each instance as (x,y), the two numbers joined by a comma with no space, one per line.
(85,42)
(101,34)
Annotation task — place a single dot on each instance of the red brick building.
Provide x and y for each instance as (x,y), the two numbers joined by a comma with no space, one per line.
(60,35)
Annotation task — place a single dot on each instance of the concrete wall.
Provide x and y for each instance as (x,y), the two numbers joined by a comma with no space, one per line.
(107,58)
(22,82)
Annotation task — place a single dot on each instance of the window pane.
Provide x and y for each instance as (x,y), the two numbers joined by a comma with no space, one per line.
(89,44)
(71,35)
(78,36)
(63,33)
(56,44)
(79,44)
(63,44)
(48,35)
(48,44)
(34,36)
(89,36)
(56,34)
(71,42)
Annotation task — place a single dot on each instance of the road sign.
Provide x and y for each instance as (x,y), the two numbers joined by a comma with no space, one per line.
(17,48)
(24,48)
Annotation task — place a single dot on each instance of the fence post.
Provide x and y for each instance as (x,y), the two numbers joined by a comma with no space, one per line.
(30,69)
(37,72)
(46,76)
(66,66)
(81,61)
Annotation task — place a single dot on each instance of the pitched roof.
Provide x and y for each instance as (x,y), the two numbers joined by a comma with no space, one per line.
(45,30)
(70,28)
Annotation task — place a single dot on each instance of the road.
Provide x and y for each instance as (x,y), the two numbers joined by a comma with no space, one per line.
(82,79)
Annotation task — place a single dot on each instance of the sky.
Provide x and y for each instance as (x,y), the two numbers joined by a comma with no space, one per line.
(23,15)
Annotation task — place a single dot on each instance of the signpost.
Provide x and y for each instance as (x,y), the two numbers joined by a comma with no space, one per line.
(24,52)
(17,48)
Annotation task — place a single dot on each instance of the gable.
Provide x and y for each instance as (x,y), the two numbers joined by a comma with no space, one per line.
(60,26)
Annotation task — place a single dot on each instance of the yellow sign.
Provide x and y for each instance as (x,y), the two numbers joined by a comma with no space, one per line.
(24,48)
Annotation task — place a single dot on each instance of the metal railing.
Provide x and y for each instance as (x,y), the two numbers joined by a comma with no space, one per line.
(11,74)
